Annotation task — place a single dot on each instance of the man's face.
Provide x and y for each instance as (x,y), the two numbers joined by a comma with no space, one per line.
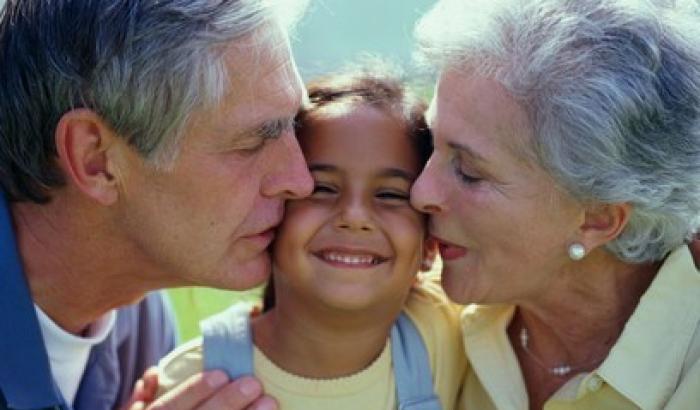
(209,219)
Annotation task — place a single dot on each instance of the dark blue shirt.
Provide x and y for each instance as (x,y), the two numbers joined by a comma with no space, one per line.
(142,334)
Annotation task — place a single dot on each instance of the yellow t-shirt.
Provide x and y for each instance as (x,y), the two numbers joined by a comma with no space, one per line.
(372,388)
(655,364)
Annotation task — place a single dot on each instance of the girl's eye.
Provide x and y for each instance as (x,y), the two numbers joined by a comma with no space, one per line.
(321,189)
(393,196)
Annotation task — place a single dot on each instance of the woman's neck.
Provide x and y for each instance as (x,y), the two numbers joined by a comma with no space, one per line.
(321,342)
(576,321)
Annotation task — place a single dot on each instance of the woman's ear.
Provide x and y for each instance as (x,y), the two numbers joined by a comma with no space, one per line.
(604,223)
(430,252)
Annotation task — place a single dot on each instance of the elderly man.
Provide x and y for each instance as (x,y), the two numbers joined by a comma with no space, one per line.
(143,144)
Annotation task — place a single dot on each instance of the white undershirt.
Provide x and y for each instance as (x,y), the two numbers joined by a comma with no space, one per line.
(68,353)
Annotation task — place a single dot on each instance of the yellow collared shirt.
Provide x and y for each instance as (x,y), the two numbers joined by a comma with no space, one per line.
(655,364)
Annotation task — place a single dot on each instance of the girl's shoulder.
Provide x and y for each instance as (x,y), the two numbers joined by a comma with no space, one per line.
(438,322)
(436,317)
(428,298)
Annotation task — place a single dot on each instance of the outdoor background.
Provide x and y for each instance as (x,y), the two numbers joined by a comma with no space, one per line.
(332,34)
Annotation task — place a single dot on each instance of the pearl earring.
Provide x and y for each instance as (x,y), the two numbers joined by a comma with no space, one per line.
(576,251)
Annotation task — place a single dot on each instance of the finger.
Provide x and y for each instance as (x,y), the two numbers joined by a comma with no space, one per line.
(137,397)
(145,390)
(237,395)
(139,405)
(192,392)
(264,403)
(149,384)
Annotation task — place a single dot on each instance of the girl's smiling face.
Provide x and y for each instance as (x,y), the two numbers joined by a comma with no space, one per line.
(356,242)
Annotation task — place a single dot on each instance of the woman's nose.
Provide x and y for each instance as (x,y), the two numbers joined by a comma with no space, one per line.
(427,193)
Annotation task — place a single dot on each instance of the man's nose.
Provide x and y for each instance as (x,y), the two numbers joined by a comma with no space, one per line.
(290,177)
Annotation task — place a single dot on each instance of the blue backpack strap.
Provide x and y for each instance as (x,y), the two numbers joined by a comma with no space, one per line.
(414,381)
(227,341)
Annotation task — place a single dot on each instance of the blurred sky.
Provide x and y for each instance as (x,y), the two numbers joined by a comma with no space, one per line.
(334,32)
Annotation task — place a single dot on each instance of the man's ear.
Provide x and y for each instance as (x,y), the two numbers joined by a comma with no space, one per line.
(604,223)
(83,143)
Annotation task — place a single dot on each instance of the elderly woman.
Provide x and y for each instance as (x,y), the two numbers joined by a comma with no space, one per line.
(564,186)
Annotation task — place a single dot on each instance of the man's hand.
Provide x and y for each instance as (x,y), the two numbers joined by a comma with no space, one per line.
(204,391)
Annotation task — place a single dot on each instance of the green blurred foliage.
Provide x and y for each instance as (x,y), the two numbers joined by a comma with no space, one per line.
(194,304)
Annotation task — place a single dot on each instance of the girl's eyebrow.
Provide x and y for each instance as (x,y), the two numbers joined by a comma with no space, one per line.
(385,173)
(397,173)
(322,168)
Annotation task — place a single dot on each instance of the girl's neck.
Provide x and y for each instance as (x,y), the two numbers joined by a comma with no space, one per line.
(321,342)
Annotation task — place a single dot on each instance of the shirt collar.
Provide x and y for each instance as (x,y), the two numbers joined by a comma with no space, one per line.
(25,376)
(646,362)
(491,355)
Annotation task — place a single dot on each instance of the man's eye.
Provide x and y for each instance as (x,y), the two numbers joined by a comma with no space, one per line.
(250,147)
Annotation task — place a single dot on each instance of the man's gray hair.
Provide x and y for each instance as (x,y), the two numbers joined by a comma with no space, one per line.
(143,65)
(612,89)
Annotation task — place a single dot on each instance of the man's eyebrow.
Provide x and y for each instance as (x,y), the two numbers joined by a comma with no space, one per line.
(475,156)
(275,127)
(267,129)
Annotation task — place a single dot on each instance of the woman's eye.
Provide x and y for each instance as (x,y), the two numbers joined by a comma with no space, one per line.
(465,176)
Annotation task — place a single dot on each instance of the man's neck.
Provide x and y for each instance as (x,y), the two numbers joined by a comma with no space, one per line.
(74,268)
(321,343)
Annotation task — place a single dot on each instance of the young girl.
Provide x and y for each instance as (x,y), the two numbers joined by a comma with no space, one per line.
(333,335)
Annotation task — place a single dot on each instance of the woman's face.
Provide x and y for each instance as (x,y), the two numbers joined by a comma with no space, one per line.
(504,227)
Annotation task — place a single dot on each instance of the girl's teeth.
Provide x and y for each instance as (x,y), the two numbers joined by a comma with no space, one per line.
(349,259)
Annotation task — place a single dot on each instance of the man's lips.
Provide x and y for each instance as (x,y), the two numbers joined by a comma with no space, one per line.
(349,258)
(266,233)
(450,251)
(262,239)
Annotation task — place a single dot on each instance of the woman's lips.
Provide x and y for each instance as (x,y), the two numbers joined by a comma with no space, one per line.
(450,251)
